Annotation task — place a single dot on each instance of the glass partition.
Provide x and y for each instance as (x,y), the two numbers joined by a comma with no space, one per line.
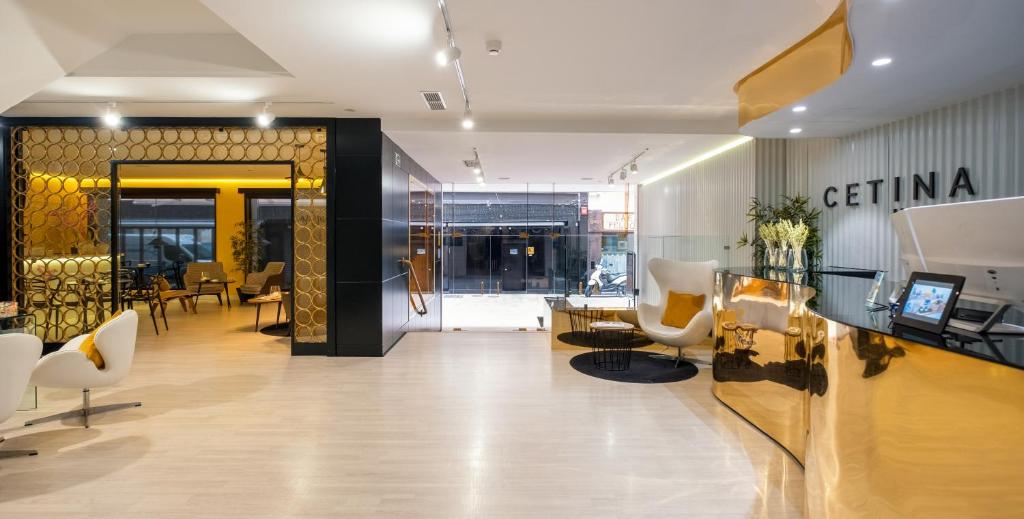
(507,247)
(680,248)
(166,230)
(538,238)
(422,245)
(271,214)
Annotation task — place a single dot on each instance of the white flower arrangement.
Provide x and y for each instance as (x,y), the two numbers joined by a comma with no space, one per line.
(768,234)
(798,235)
(784,231)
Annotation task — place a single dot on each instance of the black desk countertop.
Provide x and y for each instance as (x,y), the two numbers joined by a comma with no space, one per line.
(840,296)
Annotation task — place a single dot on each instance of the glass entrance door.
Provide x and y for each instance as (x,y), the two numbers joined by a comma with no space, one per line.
(513,264)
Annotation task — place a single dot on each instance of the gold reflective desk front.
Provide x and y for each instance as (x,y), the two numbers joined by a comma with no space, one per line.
(885,424)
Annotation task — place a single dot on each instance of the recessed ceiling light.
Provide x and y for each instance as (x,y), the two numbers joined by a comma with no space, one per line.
(504,178)
(350,110)
(881,62)
(467,120)
(795,130)
(799,108)
(477,170)
(587,178)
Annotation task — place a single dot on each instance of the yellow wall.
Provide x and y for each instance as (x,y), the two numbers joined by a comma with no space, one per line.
(230,208)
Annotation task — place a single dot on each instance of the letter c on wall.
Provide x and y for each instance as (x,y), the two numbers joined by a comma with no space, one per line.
(829,203)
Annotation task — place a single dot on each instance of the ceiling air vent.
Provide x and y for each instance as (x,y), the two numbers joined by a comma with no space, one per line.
(434,100)
(471,163)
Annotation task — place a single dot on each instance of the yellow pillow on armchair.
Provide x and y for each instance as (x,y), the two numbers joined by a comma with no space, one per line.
(88,346)
(681,308)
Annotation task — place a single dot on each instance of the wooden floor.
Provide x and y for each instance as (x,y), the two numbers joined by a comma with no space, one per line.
(458,424)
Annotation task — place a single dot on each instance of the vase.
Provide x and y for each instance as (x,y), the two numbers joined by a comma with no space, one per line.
(770,257)
(782,258)
(796,259)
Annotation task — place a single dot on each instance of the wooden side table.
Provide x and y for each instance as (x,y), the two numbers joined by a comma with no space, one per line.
(259,301)
(224,282)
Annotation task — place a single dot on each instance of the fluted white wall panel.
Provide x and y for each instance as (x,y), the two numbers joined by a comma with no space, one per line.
(697,214)
(984,135)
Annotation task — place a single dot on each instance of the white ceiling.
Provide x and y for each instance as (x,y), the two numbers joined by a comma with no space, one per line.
(943,51)
(578,87)
(551,157)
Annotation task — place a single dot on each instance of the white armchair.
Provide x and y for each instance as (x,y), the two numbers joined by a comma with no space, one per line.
(68,367)
(19,353)
(679,276)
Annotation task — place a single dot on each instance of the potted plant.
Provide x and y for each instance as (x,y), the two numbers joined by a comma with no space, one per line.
(792,209)
(247,247)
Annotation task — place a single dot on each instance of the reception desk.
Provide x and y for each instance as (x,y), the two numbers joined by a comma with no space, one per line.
(886,422)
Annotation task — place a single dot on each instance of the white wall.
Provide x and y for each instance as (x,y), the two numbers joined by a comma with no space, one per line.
(984,135)
(697,214)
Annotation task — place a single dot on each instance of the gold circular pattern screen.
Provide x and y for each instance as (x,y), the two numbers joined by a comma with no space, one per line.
(61,218)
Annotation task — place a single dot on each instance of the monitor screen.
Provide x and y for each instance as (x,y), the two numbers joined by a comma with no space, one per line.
(927,300)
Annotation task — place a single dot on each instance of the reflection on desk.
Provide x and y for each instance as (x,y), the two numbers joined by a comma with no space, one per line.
(888,422)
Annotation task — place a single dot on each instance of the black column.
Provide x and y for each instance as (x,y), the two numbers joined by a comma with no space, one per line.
(355,197)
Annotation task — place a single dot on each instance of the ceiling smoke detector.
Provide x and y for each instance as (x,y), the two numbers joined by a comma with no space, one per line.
(434,100)
(493,47)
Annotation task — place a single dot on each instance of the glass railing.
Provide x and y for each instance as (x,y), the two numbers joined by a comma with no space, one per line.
(679,248)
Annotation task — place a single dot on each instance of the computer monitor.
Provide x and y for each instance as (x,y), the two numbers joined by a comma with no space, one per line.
(980,240)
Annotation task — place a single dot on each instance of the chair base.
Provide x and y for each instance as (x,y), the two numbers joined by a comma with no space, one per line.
(15,454)
(679,358)
(85,412)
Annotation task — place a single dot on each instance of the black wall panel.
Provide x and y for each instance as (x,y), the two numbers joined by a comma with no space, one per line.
(403,319)
(356,238)
(371,235)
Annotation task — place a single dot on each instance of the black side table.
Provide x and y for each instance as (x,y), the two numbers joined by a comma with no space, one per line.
(612,343)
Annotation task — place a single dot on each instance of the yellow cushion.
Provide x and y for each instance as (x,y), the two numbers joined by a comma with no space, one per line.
(681,308)
(88,346)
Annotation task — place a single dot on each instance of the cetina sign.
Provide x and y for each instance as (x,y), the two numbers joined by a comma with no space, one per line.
(921,186)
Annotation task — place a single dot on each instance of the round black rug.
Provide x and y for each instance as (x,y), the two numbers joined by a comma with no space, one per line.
(644,368)
(277,330)
(583,339)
